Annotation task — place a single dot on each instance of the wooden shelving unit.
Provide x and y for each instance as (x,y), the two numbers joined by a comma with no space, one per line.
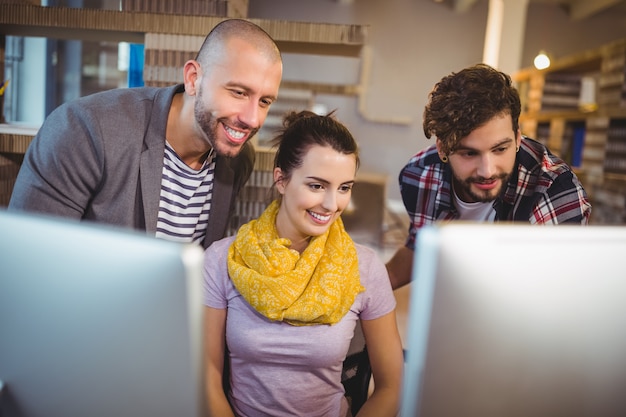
(555,112)
(131,26)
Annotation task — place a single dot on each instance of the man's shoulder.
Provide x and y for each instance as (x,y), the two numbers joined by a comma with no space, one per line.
(125,95)
(119,108)
(544,177)
(540,172)
(426,156)
(536,157)
(425,161)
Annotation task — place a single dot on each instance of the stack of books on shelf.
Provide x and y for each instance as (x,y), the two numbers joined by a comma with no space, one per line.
(258,192)
(623,78)
(289,100)
(611,84)
(543,133)
(609,204)
(561,92)
(573,142)
(186,7)
(165,55)
(604,164)
(595,149)
(532,102)
(8,173)
(615,159)
(14,140)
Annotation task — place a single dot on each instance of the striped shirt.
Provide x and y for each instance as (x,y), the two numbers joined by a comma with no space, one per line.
(185,200)
(542,190)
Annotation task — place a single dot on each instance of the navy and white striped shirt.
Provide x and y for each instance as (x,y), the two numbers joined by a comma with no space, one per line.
(185,200)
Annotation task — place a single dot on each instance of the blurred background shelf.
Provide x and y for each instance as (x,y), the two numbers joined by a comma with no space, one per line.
(577,107)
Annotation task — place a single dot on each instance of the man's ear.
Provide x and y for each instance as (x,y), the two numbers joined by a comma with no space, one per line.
(439,149)
(192,73)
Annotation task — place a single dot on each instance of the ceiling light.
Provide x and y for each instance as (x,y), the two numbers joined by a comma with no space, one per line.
(542,61)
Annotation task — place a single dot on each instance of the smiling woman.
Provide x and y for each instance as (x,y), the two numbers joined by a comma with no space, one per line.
(315,189)
(292,278)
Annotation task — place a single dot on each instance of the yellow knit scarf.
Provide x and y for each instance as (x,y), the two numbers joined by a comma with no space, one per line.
(317,286)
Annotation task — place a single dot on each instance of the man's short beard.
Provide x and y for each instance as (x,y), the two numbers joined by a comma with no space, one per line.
(209,125)
(206,122)
(466,187)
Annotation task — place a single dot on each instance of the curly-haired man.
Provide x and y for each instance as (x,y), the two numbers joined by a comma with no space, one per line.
(481,167)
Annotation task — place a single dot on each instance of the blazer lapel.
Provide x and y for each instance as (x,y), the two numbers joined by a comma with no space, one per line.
(151,163)
(150,171)
(220,202)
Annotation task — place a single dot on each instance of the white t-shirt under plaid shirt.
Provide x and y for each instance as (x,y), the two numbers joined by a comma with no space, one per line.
(185,200)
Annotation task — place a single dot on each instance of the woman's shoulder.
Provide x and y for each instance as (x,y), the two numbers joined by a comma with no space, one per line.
(378,298)
(225,241)
(365,252)
(220,247)
(371,265)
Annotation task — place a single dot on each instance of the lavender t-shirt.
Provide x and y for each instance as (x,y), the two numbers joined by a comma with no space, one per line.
(283,370)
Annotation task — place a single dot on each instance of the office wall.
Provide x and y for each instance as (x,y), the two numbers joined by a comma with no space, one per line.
(413,43)
(549,27)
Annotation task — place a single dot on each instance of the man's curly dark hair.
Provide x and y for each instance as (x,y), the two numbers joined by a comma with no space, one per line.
(466,100)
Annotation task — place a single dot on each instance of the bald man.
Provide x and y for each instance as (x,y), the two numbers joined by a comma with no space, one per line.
(169,161)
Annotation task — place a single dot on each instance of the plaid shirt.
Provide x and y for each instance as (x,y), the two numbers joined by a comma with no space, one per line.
(541,190)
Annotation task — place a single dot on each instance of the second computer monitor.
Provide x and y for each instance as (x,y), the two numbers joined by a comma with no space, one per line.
(517,320)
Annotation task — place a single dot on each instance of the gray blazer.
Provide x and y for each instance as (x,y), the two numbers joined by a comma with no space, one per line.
(100,158)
